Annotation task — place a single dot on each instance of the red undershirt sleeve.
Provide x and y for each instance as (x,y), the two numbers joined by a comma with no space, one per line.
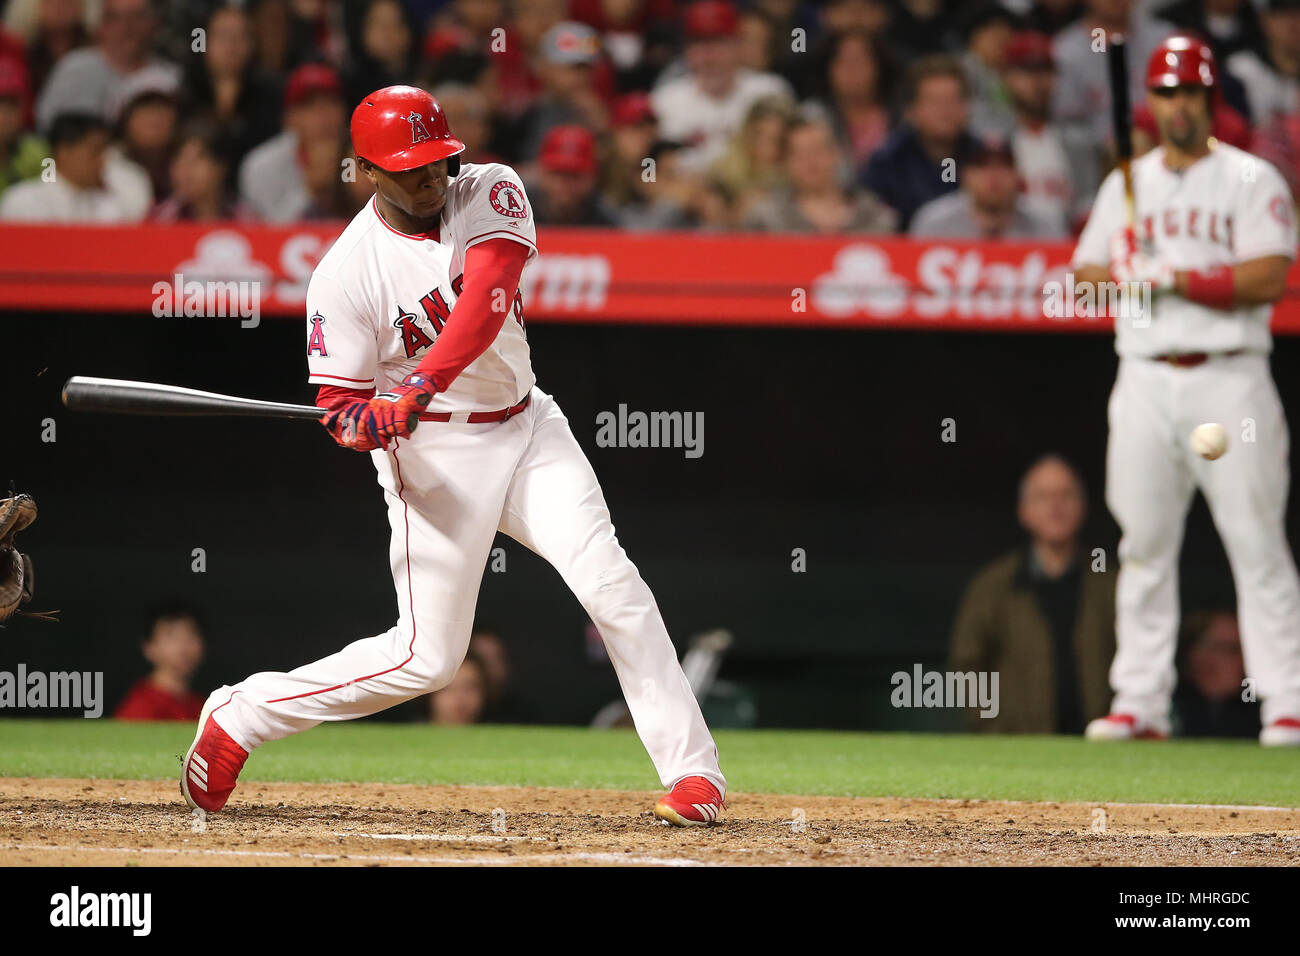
(491,265)
(332,396)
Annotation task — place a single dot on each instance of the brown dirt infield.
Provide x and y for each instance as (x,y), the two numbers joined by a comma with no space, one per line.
(145,823)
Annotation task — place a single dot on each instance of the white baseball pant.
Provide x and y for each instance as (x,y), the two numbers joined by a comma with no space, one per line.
(449,488)
(1151,475)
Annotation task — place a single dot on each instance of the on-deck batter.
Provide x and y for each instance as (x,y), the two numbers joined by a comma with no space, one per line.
(419,299)
(1215,235)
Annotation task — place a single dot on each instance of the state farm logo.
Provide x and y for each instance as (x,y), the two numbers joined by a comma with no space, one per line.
(861,280)
(949,283)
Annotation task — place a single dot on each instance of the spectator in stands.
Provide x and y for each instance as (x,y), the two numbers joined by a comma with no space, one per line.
(1271,78)
(225,87)
(817,199)
(272,179)
(988,27)
(465,699)
(1041,616)
(385,51)
(989,205)
(755,39)
(568,53)
(48,29)
(1212,672)
(707,105)
(1059,165)
(487,647)
(1227,25)
(855,92)
(200,180)
(76,188)
(174,649)
(147,128)
(566,192)
(917,28)
(917,162)
(631,171)
(89,80)
(1053,16)
(1082,94)
(332,195)
(21,153)
(753,165)
(468,113)
(638,36)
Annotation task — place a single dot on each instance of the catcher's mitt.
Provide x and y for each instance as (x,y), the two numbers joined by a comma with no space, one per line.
(16,578)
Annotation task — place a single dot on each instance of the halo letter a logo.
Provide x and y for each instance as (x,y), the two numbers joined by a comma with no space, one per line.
(418,132)
(414,338)
(316,343)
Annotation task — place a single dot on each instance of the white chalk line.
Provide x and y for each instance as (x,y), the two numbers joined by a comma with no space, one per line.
(976,803)
(623,858)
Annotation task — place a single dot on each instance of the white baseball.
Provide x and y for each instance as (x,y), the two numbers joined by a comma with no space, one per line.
(1209,440)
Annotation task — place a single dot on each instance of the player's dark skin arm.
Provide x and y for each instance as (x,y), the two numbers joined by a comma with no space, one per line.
(1254,282)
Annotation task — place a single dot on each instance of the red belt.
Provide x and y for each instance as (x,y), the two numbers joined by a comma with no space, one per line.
(478,418)
(1193,359)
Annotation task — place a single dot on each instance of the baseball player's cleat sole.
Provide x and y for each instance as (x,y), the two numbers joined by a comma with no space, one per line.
(1121,727)
(1281,733)
(694,802)
(212,764)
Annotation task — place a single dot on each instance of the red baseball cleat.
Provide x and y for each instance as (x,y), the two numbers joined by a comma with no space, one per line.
(694,802)
(1122,727)
(212,766)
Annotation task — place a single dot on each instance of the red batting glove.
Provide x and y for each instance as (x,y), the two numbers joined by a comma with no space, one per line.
(367,425)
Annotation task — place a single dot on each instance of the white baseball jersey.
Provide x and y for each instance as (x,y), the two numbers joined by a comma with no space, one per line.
(1226,208)
(379,298)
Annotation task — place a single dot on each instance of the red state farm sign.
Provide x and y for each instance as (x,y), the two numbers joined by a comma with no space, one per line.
(583,275)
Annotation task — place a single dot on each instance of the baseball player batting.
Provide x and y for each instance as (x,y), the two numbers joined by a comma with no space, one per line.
(419,301)
(1213,236)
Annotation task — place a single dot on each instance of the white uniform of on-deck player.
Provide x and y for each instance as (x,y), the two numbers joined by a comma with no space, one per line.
(1226,208)
(375,305)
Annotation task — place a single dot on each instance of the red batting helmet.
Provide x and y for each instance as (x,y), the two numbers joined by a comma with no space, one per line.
(1181,61)
(402,127)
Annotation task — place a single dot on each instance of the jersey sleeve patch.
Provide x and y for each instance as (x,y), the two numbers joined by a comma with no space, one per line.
(508,199)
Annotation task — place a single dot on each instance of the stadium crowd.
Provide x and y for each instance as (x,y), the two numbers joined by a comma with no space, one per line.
(940,118)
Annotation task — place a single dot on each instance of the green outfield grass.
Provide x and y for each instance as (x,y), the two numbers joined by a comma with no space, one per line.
(768,761)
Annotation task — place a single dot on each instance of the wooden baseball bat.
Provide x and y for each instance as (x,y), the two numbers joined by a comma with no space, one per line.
(1121,119)
(84,394)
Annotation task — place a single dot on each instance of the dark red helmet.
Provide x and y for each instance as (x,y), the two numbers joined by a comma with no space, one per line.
(1182,60)
(403,127)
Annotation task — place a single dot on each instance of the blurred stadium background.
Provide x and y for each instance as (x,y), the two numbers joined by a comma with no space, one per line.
(824,363)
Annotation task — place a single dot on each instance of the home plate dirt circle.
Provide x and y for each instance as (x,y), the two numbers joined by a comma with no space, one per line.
(119,822)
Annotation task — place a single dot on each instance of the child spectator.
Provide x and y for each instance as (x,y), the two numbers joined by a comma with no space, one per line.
(79,193)
(174,648)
